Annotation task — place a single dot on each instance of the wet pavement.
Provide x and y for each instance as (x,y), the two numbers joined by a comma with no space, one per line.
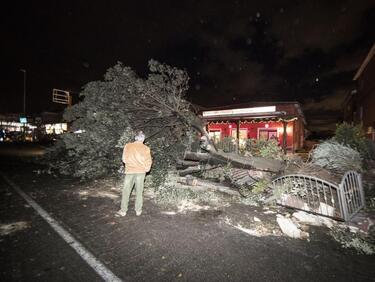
(193,246)
(30,249)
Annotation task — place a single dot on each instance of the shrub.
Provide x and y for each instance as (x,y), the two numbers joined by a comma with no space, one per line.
(261,186)
(227,144)
(354,137)
(263,148)
(217,174)
(335,156)
(171,194)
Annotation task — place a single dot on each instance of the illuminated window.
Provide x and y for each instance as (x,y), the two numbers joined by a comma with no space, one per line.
(215,135)
(230,112)
(243,135)
(57,128)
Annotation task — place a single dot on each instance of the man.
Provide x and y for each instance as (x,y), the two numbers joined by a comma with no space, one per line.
(137,159)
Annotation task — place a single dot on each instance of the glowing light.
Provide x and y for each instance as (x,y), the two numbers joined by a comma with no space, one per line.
(56,128)
(230,112)
(289,130)
(266,125)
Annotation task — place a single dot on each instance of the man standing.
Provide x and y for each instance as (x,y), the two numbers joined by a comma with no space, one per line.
(137,159)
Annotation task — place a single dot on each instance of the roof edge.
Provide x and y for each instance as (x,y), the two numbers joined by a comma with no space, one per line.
(364,64)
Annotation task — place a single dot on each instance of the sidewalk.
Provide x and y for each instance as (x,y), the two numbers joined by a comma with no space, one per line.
(191,246)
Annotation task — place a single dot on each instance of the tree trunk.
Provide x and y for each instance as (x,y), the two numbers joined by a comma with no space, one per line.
(184,163)
(215,157)
(193,169)
(204,185)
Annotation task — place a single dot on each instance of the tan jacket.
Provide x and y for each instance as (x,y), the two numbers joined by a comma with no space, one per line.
(137,158)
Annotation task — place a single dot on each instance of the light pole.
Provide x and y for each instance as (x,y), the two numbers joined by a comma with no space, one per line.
(24,91)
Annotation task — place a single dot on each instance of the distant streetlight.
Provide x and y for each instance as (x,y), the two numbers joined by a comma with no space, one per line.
(24,91)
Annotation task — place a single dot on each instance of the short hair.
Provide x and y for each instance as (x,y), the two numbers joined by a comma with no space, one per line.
(139,136)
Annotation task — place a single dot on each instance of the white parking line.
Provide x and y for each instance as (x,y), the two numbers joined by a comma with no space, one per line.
(87,256)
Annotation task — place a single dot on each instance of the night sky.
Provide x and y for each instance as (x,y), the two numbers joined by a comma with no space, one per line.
(234,51)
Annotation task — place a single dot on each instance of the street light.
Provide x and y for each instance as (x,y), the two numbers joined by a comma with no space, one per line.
(24,91)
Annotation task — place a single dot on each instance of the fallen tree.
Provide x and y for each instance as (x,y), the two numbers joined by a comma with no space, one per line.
(215,157)
(112,110)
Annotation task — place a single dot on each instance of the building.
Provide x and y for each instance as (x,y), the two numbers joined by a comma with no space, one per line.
(360,103)
(282,121)
(17,127)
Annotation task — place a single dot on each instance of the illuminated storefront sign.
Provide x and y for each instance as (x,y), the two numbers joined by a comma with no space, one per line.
(231,112)
(56,128)
(15,126)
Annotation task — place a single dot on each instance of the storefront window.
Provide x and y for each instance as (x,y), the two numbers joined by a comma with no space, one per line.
(268,134)
(215,135)
(243,135)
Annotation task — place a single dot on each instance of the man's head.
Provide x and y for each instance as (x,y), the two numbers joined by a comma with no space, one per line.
(140,137)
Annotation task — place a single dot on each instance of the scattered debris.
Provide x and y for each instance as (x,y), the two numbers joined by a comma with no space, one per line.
(290,228)
(293,201)
(363,221)
(352,234)
(353,229)
(258,230)
(251,232)
(311,219)
(205,185)
(269,212)
(326,209)
(357,240)
(336,157)
(186,205)
(6,229)
(169,212)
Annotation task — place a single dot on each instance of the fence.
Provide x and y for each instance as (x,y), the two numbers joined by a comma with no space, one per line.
(352,195)
(315,195)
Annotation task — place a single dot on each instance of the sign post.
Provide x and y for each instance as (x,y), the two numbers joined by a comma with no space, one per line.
(61,97)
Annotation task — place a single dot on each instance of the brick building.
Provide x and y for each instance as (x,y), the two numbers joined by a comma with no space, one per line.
(359,106)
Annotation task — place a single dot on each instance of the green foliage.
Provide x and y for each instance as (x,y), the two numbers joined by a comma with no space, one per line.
(263,148)
(112,111)
(335,156)
(172,194)
(164,157)
(353,136)
(370,149)
(216,174)
(227,144)
(360,242)
(261,186)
